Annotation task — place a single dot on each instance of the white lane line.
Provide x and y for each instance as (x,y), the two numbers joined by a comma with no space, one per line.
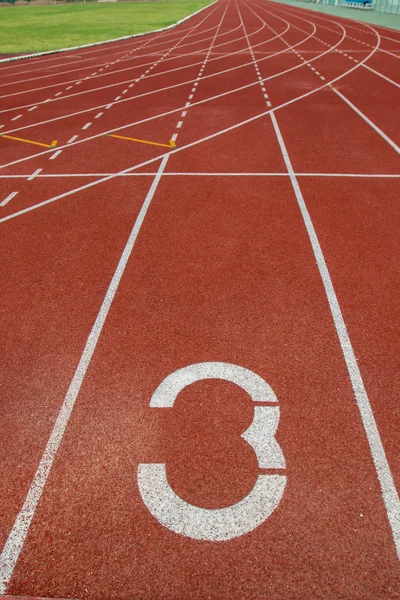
(9,197)
(74,137)
(69,88)
(370,123)
(19,531)
(98,115)
(16,118)
(108,106)
(381,75)
(208,174)
(53,156)
(58,94)
(388,489)
(179,124)
(117,98)
(87,125)
(1,126)
(183,114)
(173,138)
(34,174)
(32,108)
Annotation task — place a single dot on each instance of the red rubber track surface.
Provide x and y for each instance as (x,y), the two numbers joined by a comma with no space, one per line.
(272,109)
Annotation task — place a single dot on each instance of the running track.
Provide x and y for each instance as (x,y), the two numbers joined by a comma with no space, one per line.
(253,269)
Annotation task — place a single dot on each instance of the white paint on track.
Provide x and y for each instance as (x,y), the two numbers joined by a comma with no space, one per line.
(8,199)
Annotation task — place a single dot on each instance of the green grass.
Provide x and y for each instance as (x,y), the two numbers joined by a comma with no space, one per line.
(38,28)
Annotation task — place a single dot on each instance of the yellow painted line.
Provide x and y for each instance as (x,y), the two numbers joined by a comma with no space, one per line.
(17,139)
(122,137)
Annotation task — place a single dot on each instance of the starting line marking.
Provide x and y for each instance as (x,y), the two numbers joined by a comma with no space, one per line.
(122,137)
(17,139)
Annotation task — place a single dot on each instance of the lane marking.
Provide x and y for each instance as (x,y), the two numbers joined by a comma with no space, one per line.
(9,197)
(32,108)
(16,118)
(74,137)
(34,174)
(88,124)
(209,174)
(122,137)
(19,531)
(53,156)
(388,489)
(17,139)
(367,120)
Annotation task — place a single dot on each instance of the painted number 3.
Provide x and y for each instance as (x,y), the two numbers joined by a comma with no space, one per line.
(247,514)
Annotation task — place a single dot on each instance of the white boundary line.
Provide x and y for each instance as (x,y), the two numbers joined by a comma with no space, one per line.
(19,531)
(370,123)
(126,37)
(203,174)
(388,488)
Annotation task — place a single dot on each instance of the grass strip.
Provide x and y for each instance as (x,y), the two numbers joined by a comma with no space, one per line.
(41,28)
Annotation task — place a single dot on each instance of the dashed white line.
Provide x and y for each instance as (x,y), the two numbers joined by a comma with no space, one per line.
(74,137)
(16,118)
(87,125)
(98,115)
(179,124)
(32,108)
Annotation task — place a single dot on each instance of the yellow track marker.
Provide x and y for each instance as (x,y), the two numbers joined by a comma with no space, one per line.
(122,137)
(17,139)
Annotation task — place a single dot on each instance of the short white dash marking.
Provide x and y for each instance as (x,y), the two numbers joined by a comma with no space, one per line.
(16,118)
(174,137)
(186,106)
(179,124)
(53,156)
(9,197)
(74,137)
(87,125)
(98,115)
(69,88)
(183,114)
(34,174)
(117,98)
(58,94)
(108,106)
(32,108)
